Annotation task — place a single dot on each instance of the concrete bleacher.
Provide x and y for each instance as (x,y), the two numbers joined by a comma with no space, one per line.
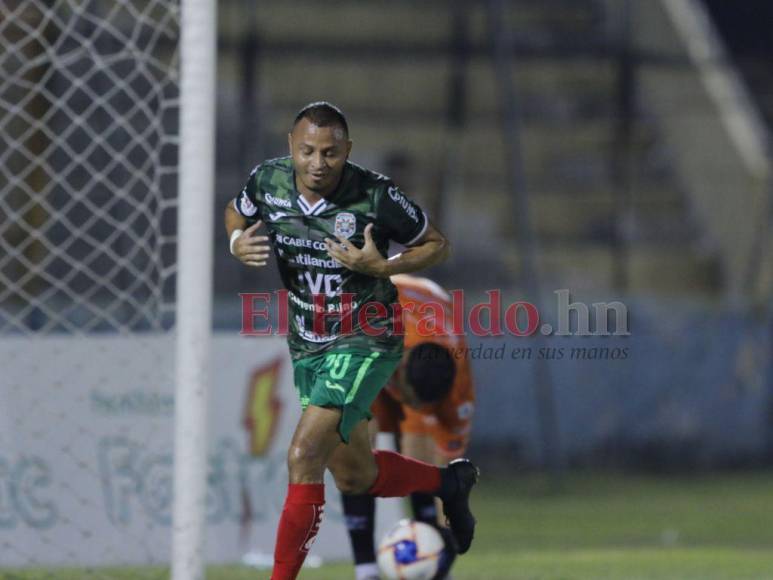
(392,78)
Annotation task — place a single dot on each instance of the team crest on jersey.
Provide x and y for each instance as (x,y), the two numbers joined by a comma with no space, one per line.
(346,225)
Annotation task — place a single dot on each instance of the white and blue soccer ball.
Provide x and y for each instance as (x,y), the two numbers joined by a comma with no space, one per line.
(410,551)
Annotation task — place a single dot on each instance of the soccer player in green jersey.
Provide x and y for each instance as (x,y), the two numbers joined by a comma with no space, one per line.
(328,223)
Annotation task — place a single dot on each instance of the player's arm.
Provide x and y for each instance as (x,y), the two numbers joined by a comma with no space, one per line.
(399,219)
(456,415)
(242,220)
(432,248)
(421,447)
(234,220)
(246,245)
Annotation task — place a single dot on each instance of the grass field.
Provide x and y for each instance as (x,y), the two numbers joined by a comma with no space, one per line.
(596,528)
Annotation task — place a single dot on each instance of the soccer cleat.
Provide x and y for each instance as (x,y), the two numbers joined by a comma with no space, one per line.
(457,481)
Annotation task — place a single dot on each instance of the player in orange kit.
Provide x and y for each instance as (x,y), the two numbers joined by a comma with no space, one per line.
(428,404)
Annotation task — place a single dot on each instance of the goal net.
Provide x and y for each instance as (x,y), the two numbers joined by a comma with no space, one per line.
(89,95)
(88,110)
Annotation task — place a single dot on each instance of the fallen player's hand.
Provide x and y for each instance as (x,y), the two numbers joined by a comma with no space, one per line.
(252,249)
(366,260)
(447,556)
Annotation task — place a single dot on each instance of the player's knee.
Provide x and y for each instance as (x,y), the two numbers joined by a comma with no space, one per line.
(351,484)
(354,480)
(305,463)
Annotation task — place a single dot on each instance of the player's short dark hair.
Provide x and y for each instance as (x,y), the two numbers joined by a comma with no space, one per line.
(323,114)
(430,371)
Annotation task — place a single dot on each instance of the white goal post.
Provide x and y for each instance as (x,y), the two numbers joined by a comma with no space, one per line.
(194,284)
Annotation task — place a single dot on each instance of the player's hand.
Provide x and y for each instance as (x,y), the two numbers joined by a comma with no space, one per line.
(366,260)
(252,249)
(447,556)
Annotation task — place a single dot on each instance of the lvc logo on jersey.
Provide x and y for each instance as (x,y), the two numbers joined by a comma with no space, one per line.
(262,408)
(346,225)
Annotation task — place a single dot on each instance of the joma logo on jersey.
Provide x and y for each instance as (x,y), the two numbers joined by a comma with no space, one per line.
(395,194)
(346,225)
(277,201)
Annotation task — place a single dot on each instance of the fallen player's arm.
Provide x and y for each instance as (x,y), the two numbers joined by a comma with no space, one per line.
(421,447)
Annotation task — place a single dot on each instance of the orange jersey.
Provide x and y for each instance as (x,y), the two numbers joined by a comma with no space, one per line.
(449,421)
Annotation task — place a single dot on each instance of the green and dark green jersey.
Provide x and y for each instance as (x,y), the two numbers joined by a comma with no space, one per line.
(297,232)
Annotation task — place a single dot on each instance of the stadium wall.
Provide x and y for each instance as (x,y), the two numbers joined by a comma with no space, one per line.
(86,451)
(690,388)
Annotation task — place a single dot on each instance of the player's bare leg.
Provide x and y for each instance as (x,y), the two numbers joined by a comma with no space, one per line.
(316,444)
(354,465)
(314,440)
(358,469)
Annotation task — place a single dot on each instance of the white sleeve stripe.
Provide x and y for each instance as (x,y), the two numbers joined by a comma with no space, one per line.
(422,232)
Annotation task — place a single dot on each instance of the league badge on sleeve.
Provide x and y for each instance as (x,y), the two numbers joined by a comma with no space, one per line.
(346,225)
(248,208)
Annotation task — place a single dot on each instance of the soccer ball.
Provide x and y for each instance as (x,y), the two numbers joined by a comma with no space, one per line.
(410,551)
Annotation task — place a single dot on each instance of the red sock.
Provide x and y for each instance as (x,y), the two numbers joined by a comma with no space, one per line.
(298,527)
(399,476)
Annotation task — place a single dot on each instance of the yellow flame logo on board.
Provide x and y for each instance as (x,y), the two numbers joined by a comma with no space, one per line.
(262,408)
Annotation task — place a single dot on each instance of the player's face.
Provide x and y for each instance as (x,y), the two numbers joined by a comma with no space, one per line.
(319,155)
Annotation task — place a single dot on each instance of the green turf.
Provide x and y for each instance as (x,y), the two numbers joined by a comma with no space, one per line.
(597,527)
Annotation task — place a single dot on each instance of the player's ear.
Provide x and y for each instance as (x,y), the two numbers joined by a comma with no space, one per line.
(290,142)
(348,147)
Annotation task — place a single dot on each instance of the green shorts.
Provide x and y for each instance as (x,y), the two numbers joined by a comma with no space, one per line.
(346,379)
